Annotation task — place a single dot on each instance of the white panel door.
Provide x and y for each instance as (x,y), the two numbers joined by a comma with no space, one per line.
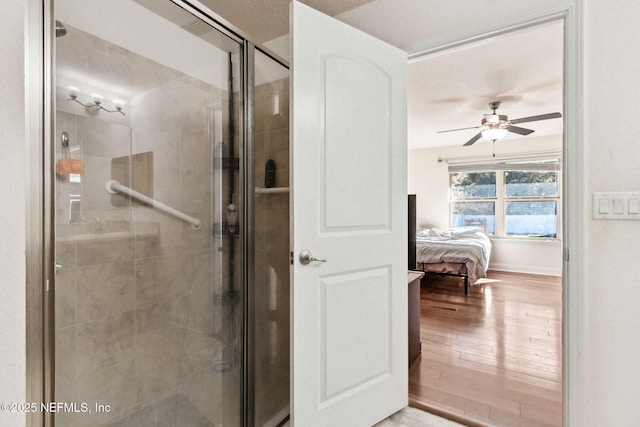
(349,207)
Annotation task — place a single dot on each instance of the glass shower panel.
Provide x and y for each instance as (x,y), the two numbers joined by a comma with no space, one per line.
(148,297)
(271,215)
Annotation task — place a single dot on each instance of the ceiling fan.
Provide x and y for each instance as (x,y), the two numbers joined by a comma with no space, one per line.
(496,126)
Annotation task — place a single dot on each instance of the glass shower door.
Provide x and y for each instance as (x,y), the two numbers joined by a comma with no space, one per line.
(148,189)
(270,292)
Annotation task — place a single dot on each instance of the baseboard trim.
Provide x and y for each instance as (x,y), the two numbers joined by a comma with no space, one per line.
(526,269)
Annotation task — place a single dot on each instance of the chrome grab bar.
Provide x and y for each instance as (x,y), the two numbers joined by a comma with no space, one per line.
(114,187)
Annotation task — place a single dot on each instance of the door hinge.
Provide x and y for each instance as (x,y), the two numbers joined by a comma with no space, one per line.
(566,254)
(291,257)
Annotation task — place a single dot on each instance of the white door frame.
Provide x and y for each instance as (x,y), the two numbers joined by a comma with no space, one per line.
(573,341)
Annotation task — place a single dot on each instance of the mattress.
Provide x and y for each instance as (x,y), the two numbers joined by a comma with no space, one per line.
(441,250)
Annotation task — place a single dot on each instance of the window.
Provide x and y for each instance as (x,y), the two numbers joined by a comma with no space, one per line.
(473,197)
(508,199)
(531,207)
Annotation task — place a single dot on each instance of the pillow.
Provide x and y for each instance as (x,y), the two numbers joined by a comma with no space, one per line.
(429,232)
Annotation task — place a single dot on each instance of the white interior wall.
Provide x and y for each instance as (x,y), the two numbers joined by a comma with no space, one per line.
(612,91)
(13,173)
(428,179)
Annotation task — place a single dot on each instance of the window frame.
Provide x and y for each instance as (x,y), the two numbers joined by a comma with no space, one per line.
(500,200)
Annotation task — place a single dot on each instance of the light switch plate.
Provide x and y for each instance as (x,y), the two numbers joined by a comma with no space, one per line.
(616,205)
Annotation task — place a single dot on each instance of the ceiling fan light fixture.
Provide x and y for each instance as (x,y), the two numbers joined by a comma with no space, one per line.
(497,126)
(493,134)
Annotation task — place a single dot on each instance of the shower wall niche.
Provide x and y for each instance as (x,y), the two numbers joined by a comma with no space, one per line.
(147,307)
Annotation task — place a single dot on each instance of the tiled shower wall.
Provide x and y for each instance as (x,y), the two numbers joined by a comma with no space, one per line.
(136,323)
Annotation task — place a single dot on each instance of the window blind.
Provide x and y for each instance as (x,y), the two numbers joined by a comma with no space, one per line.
(532,165)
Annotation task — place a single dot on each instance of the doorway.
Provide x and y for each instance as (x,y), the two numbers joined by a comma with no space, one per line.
(437,206)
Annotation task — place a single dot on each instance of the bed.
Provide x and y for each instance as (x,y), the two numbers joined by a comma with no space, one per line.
(457,252)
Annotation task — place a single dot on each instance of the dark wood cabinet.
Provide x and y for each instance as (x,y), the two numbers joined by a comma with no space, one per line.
(414,315)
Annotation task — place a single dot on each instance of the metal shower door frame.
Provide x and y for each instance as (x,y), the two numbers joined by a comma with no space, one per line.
(40,215)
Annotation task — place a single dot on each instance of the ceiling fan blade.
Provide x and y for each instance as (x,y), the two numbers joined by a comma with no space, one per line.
(473,140)
(536,118)
(453,130)
(519,130)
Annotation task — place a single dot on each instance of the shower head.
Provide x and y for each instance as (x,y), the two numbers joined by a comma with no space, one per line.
(60,29)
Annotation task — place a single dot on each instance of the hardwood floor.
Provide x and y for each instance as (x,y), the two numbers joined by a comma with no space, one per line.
(493,357)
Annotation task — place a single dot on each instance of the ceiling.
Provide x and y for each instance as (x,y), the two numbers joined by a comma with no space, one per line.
(450,89)
(265,20)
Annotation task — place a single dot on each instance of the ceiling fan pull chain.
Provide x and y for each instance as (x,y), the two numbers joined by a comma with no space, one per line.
(494,148)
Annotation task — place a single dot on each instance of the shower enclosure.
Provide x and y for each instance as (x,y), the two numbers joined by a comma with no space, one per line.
(171,238)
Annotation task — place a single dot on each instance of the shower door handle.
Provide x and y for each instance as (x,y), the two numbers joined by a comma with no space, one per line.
(306,258)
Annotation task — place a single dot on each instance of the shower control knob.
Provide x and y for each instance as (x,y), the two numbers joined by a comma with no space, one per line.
(306,258)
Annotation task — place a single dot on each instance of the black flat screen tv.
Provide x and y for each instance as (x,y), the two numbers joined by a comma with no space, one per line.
(412,232)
